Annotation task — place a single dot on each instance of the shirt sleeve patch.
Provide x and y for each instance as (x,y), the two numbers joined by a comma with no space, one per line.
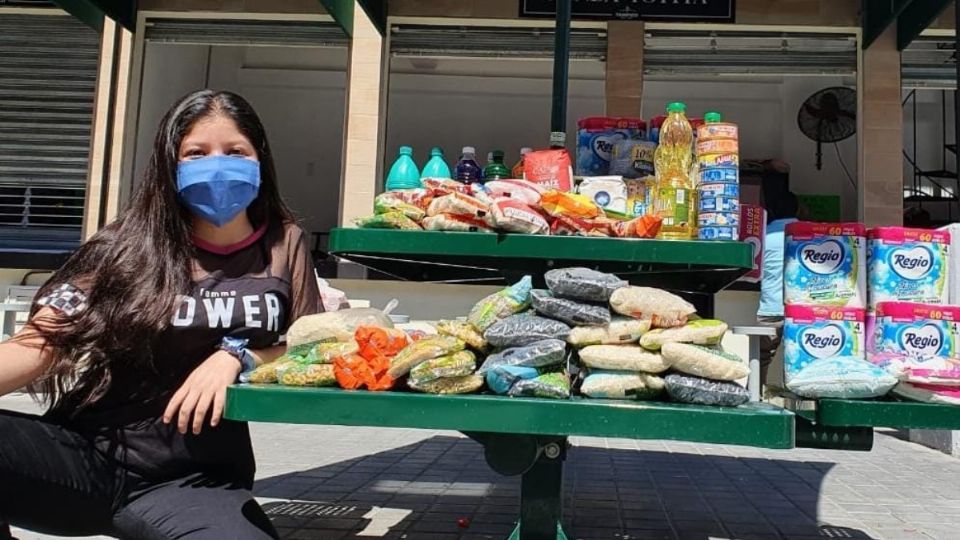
(66,299)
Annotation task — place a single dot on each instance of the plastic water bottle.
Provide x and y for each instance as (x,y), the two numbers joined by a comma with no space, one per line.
(468,171)
(436,167)
(404,173)
(496,169)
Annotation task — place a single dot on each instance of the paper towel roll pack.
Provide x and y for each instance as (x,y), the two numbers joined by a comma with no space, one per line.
(814,332)
(825,264)
(908,265)
(918,330)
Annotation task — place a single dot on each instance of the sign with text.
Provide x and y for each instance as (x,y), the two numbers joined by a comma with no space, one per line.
(637,10)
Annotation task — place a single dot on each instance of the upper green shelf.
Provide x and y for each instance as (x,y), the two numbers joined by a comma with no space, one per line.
(694,266)
(755,424)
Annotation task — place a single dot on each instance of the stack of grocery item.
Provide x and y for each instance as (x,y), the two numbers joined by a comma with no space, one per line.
(825,299)
(718,179)
(911,331)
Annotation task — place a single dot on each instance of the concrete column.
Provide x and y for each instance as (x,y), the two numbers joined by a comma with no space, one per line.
(624,80)
(880,133)
(106,140)
(363,120)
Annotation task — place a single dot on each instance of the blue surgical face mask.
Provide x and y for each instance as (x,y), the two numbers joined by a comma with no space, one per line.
(218,188)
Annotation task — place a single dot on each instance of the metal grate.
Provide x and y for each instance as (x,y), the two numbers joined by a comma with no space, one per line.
(684,52)
(929,62)
(48,76)
(277,33)
(492,42)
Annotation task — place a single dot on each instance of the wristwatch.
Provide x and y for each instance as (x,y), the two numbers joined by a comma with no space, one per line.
(237,348)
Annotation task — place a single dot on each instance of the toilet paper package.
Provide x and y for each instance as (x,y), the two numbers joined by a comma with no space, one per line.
(953,266)
(825,264)
(908,265)
(596,138)
(816,332)
(917,330)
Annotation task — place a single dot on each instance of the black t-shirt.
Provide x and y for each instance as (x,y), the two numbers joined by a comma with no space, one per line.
(253,291)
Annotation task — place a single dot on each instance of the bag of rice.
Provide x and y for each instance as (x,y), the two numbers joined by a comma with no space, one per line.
(297,374)
(501,305)
(501,378)
(444,186)
(520,330)
(583,284)
(928,393)
(465,332)
(518,190)
(704,362)
(622,358)
(459,204)
(620,331)
(326,353)
(700,391)
(449,385)
(390,220)
(511,215)
(420,198)
(569,311)
(663,309)
(549,385)
(538,354)
(621,385)
(267,373)
(421,351)
(311,330)
(845,377)
(453,223)
(698,332)
(390,202)
(457,364)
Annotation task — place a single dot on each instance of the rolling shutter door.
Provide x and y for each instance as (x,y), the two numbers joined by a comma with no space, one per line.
(492,42)
(48,75)
(245,32)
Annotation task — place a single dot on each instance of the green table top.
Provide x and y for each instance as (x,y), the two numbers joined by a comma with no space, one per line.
(759,425)
(887,414)
(695,266)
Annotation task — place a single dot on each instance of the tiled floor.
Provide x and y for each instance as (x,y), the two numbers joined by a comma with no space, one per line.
(323,483)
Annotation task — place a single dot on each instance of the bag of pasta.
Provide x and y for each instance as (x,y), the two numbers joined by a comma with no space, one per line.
(449,385)
(421,351)
(297,374)
(335,326)
(389,220)
(389,202)
(326,353)
(465,332)
(457,364)
(267,373)
(549,385)
(501,304)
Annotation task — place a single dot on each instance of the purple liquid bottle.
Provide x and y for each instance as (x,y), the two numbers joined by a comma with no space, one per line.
(468,170)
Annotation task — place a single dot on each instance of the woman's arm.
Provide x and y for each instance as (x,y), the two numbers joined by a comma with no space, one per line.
(22,357)
(265,356)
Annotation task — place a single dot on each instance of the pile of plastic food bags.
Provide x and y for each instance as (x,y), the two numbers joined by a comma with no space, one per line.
(588,334)
(505,206)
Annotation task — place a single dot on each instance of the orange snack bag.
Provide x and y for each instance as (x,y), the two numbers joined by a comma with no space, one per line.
(368,368)
(642,227)
(574,226)
(558,203)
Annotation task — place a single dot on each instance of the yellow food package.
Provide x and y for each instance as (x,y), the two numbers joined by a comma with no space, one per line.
(558,203)
(267,373)
(297,374)
(421,351)
(465,332)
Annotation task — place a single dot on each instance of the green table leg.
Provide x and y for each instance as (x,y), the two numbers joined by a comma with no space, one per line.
(539,461)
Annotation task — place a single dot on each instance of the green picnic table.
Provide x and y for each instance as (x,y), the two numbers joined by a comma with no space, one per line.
(528,436)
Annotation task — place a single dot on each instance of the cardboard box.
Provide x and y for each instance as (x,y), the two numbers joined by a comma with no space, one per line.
(753,228)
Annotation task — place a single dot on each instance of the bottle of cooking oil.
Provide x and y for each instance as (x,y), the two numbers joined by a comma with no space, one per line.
(674,196)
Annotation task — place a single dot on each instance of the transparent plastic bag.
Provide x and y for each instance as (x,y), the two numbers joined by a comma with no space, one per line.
(583,284)
(621,385)
(267,373)
(569,311)
(326,353)
(842,377)
(449,385)
(700,391)
(520,330)
(501,304)
(389,220)
(465,332)
(311,330)
(549,385)
(297,374)
(421,351)
(704,362)
(662,309)
(623,358)
(620,331)
(390,202)
(458,364)
(543,353)
(500,379)
(698,332)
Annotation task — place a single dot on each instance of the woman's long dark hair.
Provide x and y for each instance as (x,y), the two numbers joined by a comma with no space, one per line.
(136,268)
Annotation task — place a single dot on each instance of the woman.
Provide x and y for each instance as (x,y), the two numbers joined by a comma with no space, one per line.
(135,340)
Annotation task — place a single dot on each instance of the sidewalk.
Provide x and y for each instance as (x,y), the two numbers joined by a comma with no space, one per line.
(350,483)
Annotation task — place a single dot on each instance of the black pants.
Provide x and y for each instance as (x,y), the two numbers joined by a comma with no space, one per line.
(56,482)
